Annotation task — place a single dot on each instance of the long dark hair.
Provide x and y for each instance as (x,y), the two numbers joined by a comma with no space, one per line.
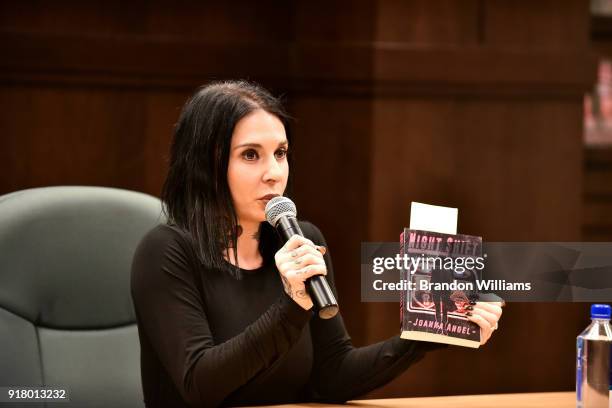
(196,194)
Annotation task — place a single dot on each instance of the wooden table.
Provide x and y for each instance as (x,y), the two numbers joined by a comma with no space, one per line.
(532,400)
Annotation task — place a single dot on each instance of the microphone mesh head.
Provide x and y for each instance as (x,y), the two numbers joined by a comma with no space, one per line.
(278,207)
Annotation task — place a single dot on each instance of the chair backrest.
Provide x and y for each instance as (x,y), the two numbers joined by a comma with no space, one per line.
(66,314)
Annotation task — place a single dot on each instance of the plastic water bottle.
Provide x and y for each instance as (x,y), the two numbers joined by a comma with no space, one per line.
(594,361)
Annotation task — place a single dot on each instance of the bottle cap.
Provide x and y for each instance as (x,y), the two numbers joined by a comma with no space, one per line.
(599,311)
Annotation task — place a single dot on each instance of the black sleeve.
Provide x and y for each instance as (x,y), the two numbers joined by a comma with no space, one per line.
(342,372)
(170,311)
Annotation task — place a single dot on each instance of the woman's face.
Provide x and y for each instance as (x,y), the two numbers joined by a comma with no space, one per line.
(258,168)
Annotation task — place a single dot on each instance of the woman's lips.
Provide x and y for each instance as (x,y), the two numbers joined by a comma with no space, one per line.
(268,197)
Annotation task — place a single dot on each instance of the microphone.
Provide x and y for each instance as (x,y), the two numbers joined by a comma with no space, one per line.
(281,214)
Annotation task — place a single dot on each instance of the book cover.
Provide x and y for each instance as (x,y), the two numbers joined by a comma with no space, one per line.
(442,270)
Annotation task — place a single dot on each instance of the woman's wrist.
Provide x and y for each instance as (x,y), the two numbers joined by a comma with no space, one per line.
(293,311)
(300,297)
(305,304)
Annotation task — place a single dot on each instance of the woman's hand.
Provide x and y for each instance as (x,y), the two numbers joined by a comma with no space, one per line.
(486,315)
(298,260)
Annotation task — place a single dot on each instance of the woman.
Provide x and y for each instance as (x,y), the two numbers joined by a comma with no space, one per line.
(223,314)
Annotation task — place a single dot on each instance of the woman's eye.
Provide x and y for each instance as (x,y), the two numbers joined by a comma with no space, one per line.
(281,153)
(249,154)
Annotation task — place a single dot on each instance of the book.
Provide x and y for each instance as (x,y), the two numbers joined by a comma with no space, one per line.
(442,272)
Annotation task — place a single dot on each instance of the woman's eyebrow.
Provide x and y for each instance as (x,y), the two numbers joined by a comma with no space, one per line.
(247,145)
(257,145)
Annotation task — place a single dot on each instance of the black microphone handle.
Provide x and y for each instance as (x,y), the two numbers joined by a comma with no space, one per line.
(318,288)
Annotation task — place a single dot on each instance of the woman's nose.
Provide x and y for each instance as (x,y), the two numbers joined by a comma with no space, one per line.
(274,170)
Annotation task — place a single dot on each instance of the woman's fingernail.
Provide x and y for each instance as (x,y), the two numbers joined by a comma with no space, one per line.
(469,308)
(472,302)
(468,314)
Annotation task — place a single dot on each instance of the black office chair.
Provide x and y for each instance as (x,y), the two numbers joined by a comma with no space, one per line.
(66,315)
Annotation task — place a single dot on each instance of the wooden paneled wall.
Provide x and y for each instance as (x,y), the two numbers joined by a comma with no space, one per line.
(597,224)
(597,193)
(468,103)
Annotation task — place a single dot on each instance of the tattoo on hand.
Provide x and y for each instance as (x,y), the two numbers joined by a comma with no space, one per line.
(301,293)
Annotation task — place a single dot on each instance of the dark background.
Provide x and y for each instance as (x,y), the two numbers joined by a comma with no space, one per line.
(476,104)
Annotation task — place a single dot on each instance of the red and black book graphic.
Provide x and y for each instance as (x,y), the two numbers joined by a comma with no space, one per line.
(443,271)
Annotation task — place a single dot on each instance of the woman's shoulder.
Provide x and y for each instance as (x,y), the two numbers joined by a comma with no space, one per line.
(164,239)
(163,251)
(164,234)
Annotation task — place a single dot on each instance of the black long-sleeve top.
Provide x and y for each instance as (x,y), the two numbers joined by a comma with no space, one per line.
(209,339)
